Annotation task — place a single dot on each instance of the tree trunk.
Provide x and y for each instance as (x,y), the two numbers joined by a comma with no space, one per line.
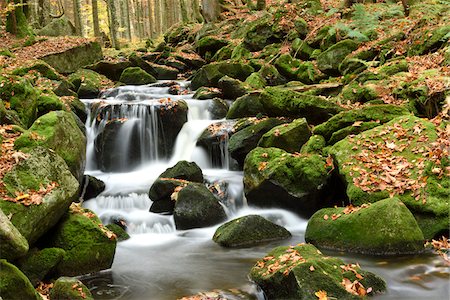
(158,25)
(165,15)
(211,10)
(151,20)
(184,12)
(197,14)
(112,16)
(77,16)
(16,21)
(127,15)
(95,18)
(123,19)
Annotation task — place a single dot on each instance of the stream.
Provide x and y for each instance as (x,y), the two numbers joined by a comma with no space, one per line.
(159,262)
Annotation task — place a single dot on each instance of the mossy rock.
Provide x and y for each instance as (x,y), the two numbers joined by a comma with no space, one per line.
(301,49)
(209,75)
(210,44)
(164,72)
(89,246)
(249,231)
(65,88)
(88,83)
(14,284)
(112,70)
(404,140)
(42,168)
(136,76)
(205,93)
(276,178)
(352,66)
(359,92)
(433,41)
(92,187)
(222,54)
(58,27)
(328,61)
(58,131)
(48,103)
(256,81)
(38,263)
(270,75)
(239,52)
(289,137)
(137,61)
(8,116)
(70,288)
(260,34)
(120,233)
(161,194)
(386,227)
(393,67)
(249,105)
(12,242)
(197,207)
(184,170)
(41,67)
(315,144)
(376,114)
(301,272)
(243,141)
(232,88)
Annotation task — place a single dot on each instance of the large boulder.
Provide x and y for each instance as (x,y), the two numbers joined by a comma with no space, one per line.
(136,76)
(329,60)
(92,187)
(14,284)
(405,157)
(209,45)
(298,70)
(47,188)
(184,170)
(12,242)
(58,131)
(244,140)
(138,61)
(87,83)
(161,193)
(75,58)
(164,72)
(44,69)
(276,178)
(89,246)
(358,120)
(289,137)
(386,227)
(302,272)
(210,74)
(249,231)
(58,27)
(70,288)
(232,88)
(111,69)
(196,206)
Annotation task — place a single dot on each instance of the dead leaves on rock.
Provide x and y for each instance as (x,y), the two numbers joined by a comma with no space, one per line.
(349,209)
(441,247)
(285,262)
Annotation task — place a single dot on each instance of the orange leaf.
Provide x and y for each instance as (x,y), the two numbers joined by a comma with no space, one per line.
(322,295)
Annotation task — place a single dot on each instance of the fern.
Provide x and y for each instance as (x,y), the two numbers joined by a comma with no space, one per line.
(346,31)
(362,20)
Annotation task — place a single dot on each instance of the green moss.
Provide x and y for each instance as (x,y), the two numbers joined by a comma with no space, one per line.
(210,44)
(433,40)
(48,103)
(136,76)
(328,61)
(305,272)
(256,81)
(69,288)
(301,49)
(239,52)
(14,284)
(357,92)
(38,263)
(249,105)
(204,93)
(43,68)
(289,137)
(386,227)
(271,75)
(209,75)
(315,144)
(12,242)
(394,67)
(121,234)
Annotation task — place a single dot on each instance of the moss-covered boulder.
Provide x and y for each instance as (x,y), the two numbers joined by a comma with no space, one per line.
(43,170)
(270,75)
(301,49)
(210,74)
(315,144)
(204,93)
(232,88)
(48,103)
(260,33)
(386,227)
(256,81)
(88,83)
(14,284)
(430,41)
(89,246)
(289,137)
(360,92)
(207,46)
(302,272)
(70,288)
(58,27)
(44,69)
(57,130)
(184,170)
(196,207)
(296,69)
(110,69)
(358,120)
(38,263)
(161,193)
(12,242)
(164,72)
(405,157)
(243,141)
(138,61)
(329,60)
(120,233)
(276,178)
(75,58)
(136,76)
(249,231)
(249,105)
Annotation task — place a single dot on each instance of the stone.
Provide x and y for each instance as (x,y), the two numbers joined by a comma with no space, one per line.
(14,284)
(137,61)
(204,93)
(92,187)
(289,137)
(386,227)
(249,105)
(315,144)
(328,61)
(73,59)
(87,83)
(249,231)
(295,69)
(58,27)
(300,272)
(112,70)
(161,194)
(276,178)
(232,88)
(164,72)
(120,233)
(70,288)
(89,246)
(136,76)
(44,69)
(43,168)
(196,207)
(430,41)
(58,131)
(185,170)
(209,75)
(12,242)
(210,44)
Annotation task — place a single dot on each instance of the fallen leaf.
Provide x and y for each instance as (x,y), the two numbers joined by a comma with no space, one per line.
(321,295)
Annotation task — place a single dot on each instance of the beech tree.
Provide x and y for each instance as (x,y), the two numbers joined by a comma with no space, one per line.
(16,20)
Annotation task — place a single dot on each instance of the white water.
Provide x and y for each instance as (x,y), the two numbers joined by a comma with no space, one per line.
(159,262)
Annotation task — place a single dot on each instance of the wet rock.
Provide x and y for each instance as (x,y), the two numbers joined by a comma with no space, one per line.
(175,90)
(58,131)
(328,61)
(14,284)
(208,45)
(392,230)
(42,168)
(38,263)
(12,242)
(218,108)
(300,272)
(276,178)
(87,83)
(230,294)
(161,194)
(112,70)
(89,246)
(137,61)
(136,76)
(249,231)
(196,207)
(243,141)
(289,137)
(204,93)
(92,187)
(164,72)
(120,233)
(185,170)
(232,88)
(70,288)
(210,74)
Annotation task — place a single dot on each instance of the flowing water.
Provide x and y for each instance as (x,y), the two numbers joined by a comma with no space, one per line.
(159,262)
